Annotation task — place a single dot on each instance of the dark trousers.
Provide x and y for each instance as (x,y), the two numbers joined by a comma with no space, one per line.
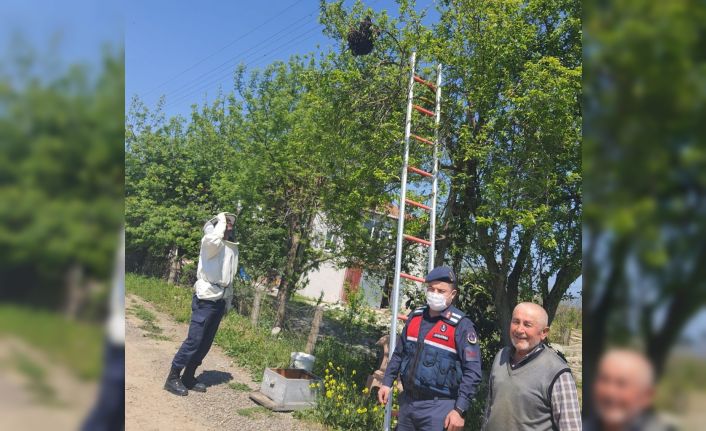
(109,411)
(205,318)
(423,415)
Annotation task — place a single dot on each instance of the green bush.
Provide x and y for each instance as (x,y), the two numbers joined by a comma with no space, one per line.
(330,350)
(356,316)
(344,404)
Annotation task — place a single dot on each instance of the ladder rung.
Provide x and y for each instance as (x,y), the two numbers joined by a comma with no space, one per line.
(427,83)
(423,111)
(411,277)
(417,204)
(419,171)
(425,100)
(415,239)
(420,139)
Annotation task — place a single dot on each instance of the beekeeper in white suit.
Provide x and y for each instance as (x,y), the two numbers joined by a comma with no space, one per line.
(213,291)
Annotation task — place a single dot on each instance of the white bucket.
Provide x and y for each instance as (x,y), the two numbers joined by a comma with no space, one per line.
(302,361)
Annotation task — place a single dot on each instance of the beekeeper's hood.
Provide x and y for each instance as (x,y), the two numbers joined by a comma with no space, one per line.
(208,227)
(211,224)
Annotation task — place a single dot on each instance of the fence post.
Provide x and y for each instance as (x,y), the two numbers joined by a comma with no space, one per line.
(255,314)
(314,334)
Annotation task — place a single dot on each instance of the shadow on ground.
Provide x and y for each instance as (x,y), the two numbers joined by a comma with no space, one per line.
(213,377)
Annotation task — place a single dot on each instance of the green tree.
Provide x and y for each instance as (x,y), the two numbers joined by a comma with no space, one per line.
(61,178)
(644,170)
(304,166)
(511,126)
(171,168)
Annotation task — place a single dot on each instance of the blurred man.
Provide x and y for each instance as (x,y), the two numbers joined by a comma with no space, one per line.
(109,412)
(531,386)
(218,264)
(438,360)
(623,394)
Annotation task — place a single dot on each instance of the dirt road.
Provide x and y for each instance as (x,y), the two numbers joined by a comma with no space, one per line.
(37,393)
(225,406)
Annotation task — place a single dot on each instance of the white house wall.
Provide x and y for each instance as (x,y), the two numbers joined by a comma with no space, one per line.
(327,279)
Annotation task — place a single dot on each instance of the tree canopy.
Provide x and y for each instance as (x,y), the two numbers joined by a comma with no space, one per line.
(320,135)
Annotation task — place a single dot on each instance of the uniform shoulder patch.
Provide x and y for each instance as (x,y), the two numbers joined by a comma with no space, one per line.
(472,337)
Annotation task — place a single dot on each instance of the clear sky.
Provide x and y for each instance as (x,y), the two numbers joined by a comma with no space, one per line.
(185,49)
(68,31)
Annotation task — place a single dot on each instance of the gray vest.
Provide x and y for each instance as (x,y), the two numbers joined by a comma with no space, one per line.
(521,398)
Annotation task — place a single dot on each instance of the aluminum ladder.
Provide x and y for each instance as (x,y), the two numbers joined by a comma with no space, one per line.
(404,201)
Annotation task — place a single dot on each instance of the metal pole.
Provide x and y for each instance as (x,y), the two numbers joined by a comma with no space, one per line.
(400,231)
(435,171)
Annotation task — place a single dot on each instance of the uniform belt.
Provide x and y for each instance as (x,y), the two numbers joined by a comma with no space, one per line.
(424,396)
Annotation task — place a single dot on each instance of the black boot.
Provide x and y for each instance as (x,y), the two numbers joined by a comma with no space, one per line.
(174,384)
(190,381)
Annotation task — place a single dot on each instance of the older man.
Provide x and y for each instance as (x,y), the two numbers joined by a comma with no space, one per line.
(623,394)
(218,264)
(437,359)
(531,386)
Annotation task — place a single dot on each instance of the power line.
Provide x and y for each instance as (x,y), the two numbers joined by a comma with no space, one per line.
(233,60)
(201,86)
(223,48)
(190,93)
(185,91)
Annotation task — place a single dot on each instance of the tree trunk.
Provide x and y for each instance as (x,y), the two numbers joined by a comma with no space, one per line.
(552,298)
(287,281)
(74,291)
(601,302)
(502,307)
(174,265)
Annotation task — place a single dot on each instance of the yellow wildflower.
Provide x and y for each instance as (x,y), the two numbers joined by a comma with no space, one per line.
(362,410)
(330,364)
(329,394)
(353,373)
(375,408)
(366,390)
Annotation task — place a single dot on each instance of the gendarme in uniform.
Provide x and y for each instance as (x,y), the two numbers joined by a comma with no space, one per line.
(437,359)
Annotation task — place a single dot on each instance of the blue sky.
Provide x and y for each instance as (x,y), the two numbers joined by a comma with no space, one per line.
(185,50)
(71,31)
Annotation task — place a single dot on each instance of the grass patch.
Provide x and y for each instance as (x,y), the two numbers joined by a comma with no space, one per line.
(249,412)
(167,298)
(157,337)
(149,326)
(240,387)
(75,345)
(36,379)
